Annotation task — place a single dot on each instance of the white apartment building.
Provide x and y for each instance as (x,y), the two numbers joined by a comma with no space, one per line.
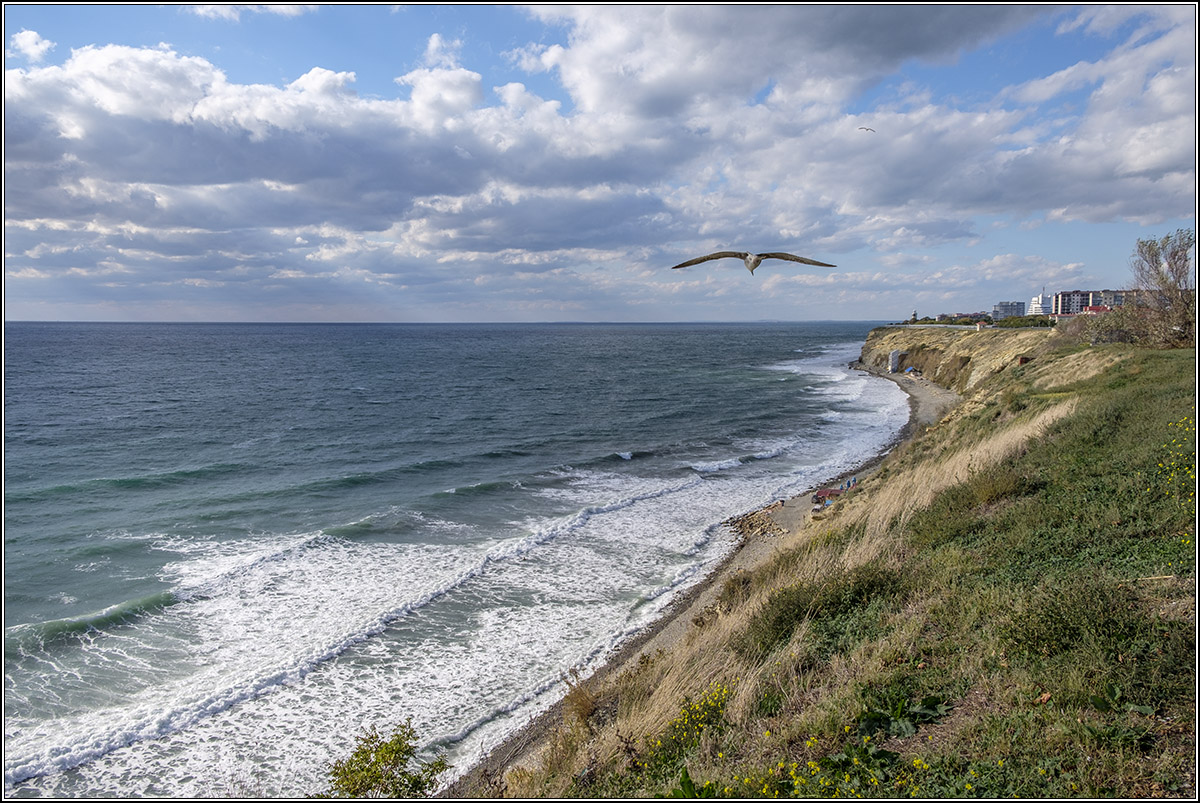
(1074,302)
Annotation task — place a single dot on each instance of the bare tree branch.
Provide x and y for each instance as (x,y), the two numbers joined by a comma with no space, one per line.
(1166,287)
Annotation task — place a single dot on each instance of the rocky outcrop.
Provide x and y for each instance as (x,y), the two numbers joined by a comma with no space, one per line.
(757,523)
(958,359)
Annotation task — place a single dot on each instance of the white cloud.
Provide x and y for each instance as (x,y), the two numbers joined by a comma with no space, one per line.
(440,96)
(233,11)
(320,81)
(145,83)
(29,44)
(1106,20)
(655,61)
(442,53)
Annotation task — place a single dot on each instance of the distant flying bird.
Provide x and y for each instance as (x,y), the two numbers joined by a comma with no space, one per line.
(753,260)
(864,128)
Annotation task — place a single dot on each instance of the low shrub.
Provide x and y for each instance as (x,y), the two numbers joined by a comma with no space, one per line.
(380,767)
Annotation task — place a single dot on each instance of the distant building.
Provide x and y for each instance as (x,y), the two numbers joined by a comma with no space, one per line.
(1008,309)
(1076,301)
(1071,302)
(1041,304)
(1113,298)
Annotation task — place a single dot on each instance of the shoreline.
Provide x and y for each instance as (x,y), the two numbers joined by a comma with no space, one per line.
(758,530)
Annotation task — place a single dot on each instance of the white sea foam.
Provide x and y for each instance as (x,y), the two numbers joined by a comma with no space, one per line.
(253,622)
(262,616)
(716,465)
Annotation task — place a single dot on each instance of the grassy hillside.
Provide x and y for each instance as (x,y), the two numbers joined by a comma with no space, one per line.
(1007,607)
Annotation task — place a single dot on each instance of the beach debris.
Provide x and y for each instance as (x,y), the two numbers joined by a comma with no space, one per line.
(761,523)
(752,260)
(826,496)
(757,523)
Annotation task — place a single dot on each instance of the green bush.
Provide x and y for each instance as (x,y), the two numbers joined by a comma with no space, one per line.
(388,768)
(1025,321)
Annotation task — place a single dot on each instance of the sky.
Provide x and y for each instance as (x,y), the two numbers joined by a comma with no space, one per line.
(468,163)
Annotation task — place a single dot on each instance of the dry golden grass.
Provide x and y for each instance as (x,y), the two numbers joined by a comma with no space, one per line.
(915,487)
(1074,368)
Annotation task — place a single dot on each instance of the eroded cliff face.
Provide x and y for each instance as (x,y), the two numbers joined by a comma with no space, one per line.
(958,359)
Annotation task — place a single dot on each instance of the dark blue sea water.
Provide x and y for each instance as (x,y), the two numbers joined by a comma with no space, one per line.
(230,547)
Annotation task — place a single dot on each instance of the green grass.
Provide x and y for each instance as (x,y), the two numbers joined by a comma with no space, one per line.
(840,610)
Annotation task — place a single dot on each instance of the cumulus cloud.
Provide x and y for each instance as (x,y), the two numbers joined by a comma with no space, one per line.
(660,60)
(234,11)
(29,44)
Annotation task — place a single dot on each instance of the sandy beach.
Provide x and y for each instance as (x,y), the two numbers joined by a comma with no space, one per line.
(760,532)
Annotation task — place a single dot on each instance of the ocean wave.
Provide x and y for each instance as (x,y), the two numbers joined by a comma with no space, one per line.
(558,527)
(147,482)
(212,566)
(504,454)
(34,749)
(716,465)
(539,696)
(24,639)
(39,748)
(681,578)
(480,488)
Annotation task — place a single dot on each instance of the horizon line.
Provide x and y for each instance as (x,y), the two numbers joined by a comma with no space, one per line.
(442,323)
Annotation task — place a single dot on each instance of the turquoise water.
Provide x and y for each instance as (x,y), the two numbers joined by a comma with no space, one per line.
(230,547)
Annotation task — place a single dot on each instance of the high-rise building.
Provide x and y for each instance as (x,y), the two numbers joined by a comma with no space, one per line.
(1074,302)
(1008,309)
(1070,302)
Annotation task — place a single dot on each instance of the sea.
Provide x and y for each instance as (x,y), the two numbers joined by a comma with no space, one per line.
(231,548)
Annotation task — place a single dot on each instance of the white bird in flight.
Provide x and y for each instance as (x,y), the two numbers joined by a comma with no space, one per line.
(753,260)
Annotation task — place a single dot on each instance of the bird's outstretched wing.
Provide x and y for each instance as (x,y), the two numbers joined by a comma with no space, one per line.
(794,258)
(717,255)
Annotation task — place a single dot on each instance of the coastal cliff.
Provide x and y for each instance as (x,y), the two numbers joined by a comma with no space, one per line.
(1004,607)
(953,358)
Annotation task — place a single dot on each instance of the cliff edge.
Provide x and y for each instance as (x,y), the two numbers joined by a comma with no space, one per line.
(953,358)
